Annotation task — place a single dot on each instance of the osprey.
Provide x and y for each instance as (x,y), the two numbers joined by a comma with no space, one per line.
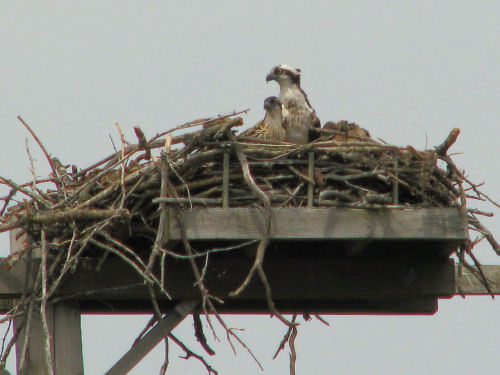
(271,127)
(299,118)
(345,131)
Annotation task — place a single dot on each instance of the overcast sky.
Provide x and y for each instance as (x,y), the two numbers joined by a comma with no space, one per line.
(408,71)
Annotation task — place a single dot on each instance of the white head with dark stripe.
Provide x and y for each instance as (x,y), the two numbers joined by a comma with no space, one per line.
(284,75)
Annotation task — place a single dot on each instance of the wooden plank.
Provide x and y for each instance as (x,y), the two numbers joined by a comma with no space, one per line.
(295,283)
(67,339)
(468,284)
(63,321)
(152,338)
(424,305)
(323,223)
(32,360)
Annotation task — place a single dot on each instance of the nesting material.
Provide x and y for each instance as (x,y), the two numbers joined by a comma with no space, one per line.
(204,169)
(74,212)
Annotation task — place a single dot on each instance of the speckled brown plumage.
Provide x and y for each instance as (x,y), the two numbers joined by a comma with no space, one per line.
(345,131)
(271,127)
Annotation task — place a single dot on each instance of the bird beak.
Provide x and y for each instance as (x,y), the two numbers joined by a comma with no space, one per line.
(270,77)
(267,106)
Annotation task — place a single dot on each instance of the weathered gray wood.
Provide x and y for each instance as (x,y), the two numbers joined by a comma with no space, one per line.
(67,338)
(33,362)
(152,338)
(63,322)
(468,284)
(323,223)
(297,284)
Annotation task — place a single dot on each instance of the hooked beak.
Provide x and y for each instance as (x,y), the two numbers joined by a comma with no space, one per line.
(267,106)
(270,77)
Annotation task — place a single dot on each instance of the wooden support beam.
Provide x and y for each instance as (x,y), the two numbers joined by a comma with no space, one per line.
(63,320)
(323,223)
(63,323)
(152,338)
(468,284)
(321,285)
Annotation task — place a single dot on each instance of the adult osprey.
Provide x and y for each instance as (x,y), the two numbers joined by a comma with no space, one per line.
(299,118)
(271,127)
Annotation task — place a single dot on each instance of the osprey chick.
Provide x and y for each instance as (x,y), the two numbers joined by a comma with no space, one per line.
(271,127)
(299,118)
(345,131)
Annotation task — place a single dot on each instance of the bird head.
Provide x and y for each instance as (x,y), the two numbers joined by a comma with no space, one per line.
(272,103)
(284,73)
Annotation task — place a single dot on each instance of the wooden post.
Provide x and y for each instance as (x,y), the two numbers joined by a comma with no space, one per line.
(65,341)
(64,326)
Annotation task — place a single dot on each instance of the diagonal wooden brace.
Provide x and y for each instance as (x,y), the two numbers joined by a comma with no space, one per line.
(152,338)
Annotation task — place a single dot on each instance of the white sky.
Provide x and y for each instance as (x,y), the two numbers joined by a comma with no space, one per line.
(407,71)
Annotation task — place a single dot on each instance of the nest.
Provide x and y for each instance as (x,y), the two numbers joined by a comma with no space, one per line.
(126,194)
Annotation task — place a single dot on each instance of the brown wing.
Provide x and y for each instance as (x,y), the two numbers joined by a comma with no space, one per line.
(315,129)
(254,130)
(262,131)
(345,131)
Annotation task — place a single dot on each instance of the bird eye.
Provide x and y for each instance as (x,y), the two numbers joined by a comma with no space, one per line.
(277,70)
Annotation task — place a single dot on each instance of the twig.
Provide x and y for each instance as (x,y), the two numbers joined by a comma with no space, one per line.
(293,353)
(163,207)
(259,257)
(44,150)
(143,143)
(199,122)
(200,335)
(37,198)
(149,277)
(122,176)
(43,311)
(289,337)
(483,278)
(207,298)
(190,353)
(443,148)
(321,320)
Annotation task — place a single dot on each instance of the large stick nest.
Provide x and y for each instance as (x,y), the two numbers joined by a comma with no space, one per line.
(117,198)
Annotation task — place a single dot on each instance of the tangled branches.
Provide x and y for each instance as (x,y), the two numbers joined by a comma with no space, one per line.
(98,211)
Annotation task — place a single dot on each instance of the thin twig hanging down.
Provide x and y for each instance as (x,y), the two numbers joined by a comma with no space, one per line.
(190,353)
(163,208)
(43,309)
(289,337)
(207,303)
(200,335)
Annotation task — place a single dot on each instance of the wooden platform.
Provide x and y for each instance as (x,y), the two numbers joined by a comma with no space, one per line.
(323,224)
(319,260)
(381,261)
